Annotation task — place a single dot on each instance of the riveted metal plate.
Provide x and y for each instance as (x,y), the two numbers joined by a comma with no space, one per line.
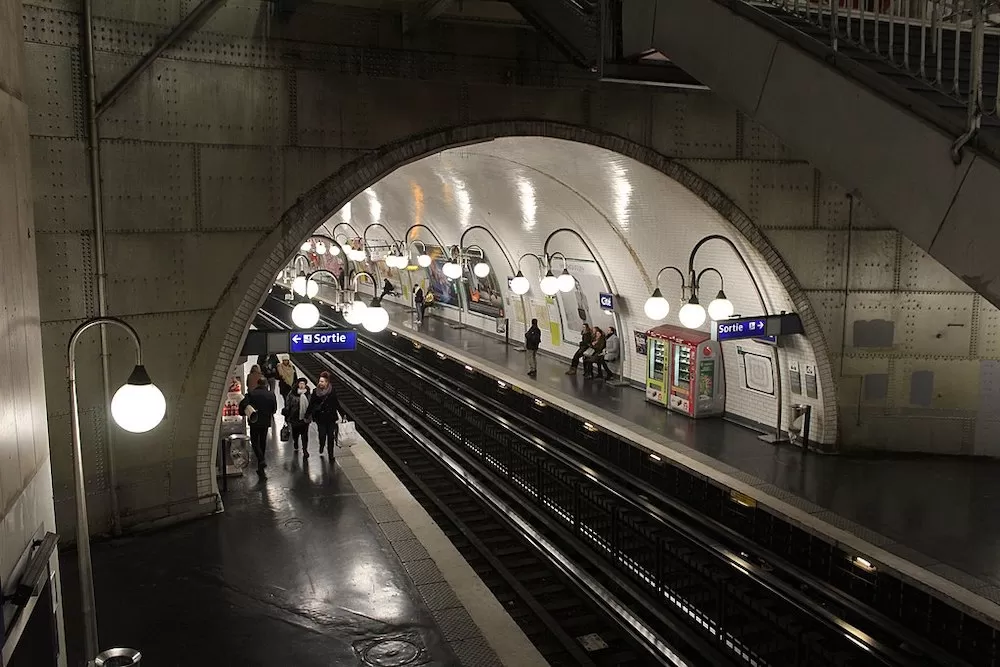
(934,325)
(241,188)
(147,186)
(48,79)
(60,185)
(918,271)
(694,125)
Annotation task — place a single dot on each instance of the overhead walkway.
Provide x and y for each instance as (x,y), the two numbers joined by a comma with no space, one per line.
(944,539)
(880,103)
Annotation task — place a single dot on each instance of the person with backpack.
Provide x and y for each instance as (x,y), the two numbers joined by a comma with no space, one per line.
(532,339)
(295,412)
(259,406)
(269,368)
(324,408)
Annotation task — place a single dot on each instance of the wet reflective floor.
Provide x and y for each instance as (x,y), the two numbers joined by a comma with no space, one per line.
(295,573)
(942,512)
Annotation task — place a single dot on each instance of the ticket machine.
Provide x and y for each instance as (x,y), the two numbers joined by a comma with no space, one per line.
(684,371)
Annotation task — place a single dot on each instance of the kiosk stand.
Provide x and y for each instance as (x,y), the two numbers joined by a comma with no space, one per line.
(684,371)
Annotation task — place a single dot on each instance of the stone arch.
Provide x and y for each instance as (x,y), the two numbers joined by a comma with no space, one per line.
(271,253)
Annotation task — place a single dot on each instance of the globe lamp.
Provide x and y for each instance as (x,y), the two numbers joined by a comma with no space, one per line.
(550,284)
(519,284)
(656,307)
(138,406)
(692,314)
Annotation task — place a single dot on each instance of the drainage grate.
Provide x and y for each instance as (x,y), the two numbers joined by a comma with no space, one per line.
(403,650)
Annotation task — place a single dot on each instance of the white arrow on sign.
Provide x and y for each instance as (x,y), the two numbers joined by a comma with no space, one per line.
(296,338)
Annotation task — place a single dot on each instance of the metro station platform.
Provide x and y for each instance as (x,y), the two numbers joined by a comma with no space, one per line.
(328,561)
(933,520)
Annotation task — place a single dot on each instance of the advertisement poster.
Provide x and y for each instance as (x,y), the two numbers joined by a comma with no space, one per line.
(442,291)
(706,378)
(555,329)
(640,342)
(583,303)
(484,295)
(336,264)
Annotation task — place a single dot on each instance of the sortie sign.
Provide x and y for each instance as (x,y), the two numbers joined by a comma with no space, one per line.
(322,341)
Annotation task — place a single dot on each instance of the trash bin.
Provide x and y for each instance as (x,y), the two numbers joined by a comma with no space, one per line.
(118,657)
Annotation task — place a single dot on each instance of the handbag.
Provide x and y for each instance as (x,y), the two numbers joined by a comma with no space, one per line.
(347,432)
(589,352)
(286,433)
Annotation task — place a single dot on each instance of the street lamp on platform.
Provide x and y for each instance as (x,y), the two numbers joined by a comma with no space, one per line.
(692,313)
(137,407)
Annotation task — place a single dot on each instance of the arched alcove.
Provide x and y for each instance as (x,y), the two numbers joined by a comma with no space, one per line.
(563,158)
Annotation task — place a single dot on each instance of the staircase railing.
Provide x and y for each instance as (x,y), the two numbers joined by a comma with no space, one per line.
(941,42)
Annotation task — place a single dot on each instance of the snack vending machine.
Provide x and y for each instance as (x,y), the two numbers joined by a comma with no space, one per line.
(685,371)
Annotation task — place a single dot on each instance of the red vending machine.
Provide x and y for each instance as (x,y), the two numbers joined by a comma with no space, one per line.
(694,379)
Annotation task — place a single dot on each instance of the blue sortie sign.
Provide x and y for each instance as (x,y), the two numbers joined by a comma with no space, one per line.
(322,341)
(750,327)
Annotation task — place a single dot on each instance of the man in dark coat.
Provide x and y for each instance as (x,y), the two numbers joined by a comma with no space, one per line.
(259,407)
(532,339)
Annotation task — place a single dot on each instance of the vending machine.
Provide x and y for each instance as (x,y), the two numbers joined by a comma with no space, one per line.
(685,371)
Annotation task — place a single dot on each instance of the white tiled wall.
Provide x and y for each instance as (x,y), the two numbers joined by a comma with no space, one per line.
(634,219)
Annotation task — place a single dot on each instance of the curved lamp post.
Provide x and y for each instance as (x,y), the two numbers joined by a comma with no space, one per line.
(372,316)
(331,244)
(423,260)
(692,313)
(391,259)
(563,281)
(349,251)
(299,282)
(519,284)
(138,406)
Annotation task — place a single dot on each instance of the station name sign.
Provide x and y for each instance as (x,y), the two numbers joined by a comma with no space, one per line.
(767,327)
(323,341)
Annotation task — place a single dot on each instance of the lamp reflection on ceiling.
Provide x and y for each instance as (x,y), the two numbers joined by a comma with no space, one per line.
(622,188)
(374,205)
(526,196)
(418,202)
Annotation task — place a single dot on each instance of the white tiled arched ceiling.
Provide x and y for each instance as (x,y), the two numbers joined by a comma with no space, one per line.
(634,218)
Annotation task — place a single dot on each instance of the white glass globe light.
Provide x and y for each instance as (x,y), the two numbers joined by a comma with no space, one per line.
(452,270)
(312,288)
(390,261)
(305,315)
(360,256)
(306,247)
(424,260)
(567,283)
(519,284)
(481,269)
(299,285)
(656,307)
(376,319)
(356,313)
(334,249)
(721,308)
(138,406)
(550,284)
(692,314)
(320,248)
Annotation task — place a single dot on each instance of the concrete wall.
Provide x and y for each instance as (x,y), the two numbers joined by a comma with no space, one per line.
(26,509)
(208,157)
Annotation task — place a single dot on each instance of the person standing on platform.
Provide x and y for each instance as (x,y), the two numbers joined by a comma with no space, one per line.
(612,350)
(586,338)
(418,303)
(296,409)
(286,376)
(259,406)
(324,409)
(532,339)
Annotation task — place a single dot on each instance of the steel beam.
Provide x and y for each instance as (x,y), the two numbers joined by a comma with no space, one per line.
(195,19)
(424,14)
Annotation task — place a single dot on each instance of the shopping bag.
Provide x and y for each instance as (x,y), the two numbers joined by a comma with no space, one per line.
(286,433)
(347,434)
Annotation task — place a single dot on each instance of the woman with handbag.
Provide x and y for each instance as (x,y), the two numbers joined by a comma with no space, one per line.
(296,419)
(324,408)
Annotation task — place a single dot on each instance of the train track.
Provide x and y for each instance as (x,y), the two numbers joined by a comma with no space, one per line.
(534,584)
(670,565)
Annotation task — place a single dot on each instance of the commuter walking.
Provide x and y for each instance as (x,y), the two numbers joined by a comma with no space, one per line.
(586,338)
(387,288)
(612,350)
(593,354)
(268,364)
(286,376)
(532,339)
(296,409)
(252,377)
(324,409)
(259,406)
